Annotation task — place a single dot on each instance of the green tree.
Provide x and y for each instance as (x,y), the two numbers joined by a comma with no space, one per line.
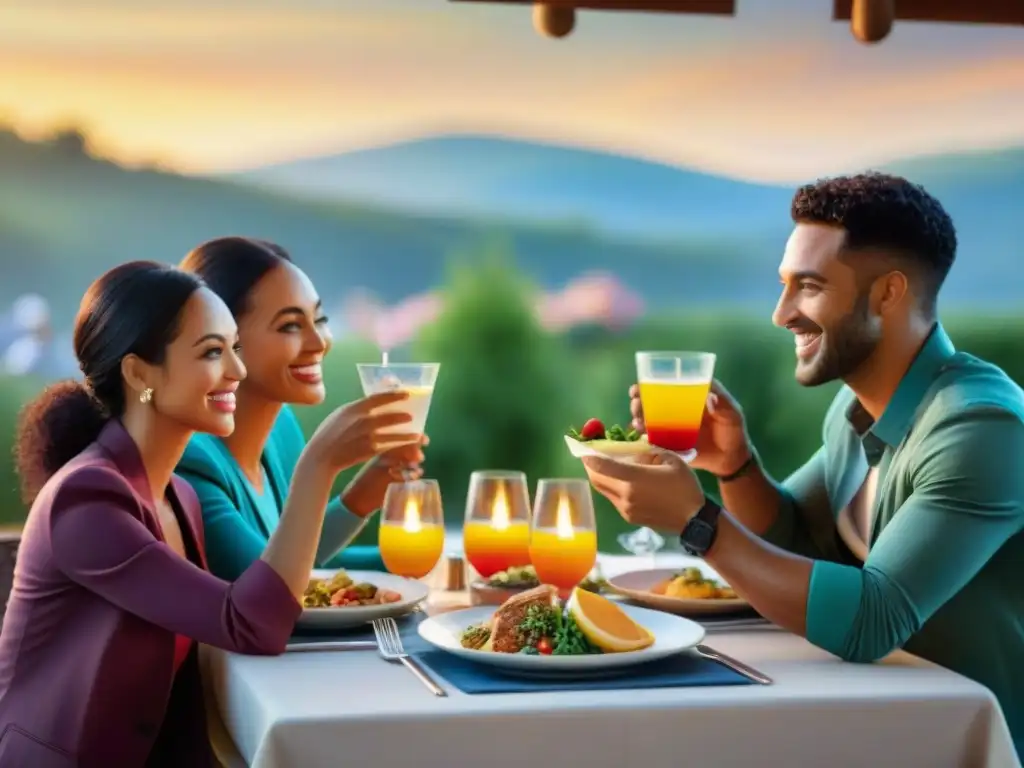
(508,389)
(14,392)
(502,385)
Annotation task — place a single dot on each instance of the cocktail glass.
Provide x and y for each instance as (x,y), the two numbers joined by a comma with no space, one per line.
(416,378)
(563,544)
(496,534)
(411,536)
(674,392)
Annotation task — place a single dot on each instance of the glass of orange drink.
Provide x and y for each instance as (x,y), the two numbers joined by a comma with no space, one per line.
(496,534)
(563,543)
(674,392)
(411,536)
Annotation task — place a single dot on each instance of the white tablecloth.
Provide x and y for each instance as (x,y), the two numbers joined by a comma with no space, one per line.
(307,710)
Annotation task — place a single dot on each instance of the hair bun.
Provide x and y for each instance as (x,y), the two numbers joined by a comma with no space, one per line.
(52,429)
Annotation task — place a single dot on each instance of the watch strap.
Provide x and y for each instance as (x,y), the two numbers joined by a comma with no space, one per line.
(709,512)
(700,532)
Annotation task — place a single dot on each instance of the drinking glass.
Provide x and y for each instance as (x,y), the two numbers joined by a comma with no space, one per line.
(417,379)
(674,391)
(643,541)
(411,536)
(563,543)
(496,534)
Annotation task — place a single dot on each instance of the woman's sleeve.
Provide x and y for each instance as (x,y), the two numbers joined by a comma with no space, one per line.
(340,525)
(98,541)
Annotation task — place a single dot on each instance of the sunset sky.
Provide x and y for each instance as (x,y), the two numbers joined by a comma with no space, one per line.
(208,85)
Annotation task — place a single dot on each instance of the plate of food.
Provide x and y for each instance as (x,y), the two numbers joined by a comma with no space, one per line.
(686,592)
(535,634)
(343,599)
(615,442)
(510,582)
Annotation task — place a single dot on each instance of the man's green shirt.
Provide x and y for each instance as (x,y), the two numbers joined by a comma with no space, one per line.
(944,575)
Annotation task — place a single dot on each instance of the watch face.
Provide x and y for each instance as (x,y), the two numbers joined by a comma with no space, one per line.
(698,536)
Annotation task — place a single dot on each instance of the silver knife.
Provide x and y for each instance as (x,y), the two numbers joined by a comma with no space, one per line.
(736,666)
(332,645)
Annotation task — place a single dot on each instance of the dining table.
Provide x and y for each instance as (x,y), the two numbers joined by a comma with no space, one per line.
(352,708)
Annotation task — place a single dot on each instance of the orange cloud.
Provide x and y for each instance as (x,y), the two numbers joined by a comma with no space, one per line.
(206,88)
(258,30)
(782,112)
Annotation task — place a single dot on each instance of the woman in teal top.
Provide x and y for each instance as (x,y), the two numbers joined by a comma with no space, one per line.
(242,480)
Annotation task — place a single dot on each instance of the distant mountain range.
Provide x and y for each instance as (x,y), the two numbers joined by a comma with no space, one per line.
(505,179)
(677,238)
(509,179)
(65,217)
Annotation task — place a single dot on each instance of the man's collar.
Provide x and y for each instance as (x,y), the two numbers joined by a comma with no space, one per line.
(895,421)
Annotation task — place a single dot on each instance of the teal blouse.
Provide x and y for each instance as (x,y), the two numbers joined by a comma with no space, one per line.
(238,521)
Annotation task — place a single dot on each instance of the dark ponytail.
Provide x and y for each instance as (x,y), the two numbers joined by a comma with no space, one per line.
(231,267)
(133,309)
(52,430)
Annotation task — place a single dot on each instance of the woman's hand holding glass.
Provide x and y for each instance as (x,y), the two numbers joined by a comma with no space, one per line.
(356,432)
(365,493)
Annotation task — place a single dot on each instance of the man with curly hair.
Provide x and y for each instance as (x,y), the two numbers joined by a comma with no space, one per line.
(906,528)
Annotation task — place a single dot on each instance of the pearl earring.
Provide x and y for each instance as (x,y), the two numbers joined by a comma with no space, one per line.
(146,395)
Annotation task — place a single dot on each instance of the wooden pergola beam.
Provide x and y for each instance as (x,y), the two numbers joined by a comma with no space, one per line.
(712,7)
(870,20)
(1009,12)
(1005,12)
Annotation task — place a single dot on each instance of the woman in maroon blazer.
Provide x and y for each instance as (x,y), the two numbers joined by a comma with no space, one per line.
(98,664)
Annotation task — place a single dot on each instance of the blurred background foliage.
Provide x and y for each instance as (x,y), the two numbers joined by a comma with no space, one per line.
(508,389)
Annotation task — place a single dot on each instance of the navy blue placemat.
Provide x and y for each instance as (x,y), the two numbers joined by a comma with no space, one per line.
(682,671)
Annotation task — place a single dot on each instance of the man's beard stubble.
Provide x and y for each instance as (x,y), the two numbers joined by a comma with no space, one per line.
(844,347)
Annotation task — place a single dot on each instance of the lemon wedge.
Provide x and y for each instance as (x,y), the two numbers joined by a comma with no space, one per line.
(605,624)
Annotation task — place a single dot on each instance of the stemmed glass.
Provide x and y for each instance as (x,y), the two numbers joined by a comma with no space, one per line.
(641,542)
(411,536)
(496,534)
(418,379)
(563,544)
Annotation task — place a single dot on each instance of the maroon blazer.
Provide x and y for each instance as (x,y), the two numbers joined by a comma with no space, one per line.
(87,646)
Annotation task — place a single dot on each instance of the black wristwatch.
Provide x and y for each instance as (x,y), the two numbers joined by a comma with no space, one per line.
(699,534)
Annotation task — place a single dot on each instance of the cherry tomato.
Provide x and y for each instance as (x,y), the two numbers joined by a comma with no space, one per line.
(344,597)
(544,646)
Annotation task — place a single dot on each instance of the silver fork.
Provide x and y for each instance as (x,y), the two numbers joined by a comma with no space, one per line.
(389,644)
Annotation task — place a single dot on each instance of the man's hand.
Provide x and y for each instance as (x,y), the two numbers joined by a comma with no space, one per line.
(660,491)
(722,446)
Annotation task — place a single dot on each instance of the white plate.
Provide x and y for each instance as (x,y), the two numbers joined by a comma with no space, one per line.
(413,593)
(581,449)
(672,635)
(637,585)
